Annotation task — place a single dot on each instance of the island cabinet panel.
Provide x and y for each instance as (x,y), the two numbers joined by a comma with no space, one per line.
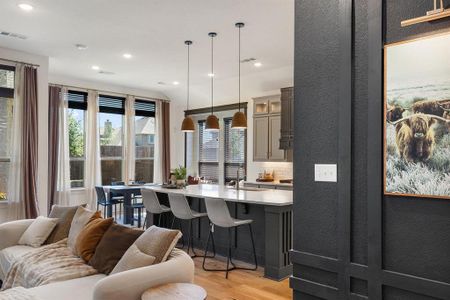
(261,138)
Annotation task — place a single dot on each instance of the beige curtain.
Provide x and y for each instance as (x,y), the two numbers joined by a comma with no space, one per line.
(54,94)
(16,205)
(30,141)
(130,146)
(93,174)
(162,143)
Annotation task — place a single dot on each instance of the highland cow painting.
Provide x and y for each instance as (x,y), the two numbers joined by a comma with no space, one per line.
(417,118)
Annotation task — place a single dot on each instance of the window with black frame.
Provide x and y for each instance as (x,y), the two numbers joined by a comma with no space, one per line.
(111,124)
(234,152)
(76,122)
(7,74)
(208,159)
(144,127)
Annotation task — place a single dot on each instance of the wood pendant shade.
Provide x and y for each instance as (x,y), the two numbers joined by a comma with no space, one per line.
(188,125)
(212,123)
(239,121)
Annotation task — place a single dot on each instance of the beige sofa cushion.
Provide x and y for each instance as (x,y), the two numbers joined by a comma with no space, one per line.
(81,218)
(65,216)
(38,231)
(152,247)
(10,254)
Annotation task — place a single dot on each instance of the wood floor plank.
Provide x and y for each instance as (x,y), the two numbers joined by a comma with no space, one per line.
(240,285)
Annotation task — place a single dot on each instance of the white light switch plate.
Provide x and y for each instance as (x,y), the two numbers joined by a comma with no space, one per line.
(325,172)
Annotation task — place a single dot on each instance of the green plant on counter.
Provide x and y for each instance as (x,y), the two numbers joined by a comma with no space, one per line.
(180,173)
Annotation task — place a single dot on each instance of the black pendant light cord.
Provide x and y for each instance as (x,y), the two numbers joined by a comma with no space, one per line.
(239,62)
(188,69)
(212,74)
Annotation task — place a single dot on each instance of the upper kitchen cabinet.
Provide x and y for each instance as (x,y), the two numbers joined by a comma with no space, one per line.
(267,129)
(287,118)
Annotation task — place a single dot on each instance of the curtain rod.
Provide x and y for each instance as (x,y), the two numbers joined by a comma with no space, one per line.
(100,91)
(20,62)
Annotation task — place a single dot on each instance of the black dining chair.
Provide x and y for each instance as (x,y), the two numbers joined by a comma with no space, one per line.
(103,200)
(117,196)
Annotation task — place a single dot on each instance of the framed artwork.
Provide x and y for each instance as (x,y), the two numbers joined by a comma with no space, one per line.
(417,117)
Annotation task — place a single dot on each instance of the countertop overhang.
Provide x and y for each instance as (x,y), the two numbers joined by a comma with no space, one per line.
(260,197)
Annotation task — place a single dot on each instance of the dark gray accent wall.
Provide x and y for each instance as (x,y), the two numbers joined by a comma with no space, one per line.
(351,241)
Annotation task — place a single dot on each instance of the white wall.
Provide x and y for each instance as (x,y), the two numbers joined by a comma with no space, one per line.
(42,172)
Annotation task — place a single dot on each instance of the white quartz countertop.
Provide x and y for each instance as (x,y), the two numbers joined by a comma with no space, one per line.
(261,197)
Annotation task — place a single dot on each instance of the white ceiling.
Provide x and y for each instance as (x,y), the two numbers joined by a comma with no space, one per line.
(154,32)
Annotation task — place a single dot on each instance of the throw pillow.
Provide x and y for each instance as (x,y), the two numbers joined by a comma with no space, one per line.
(65,216)
(156,242)
(90,236)
(116,240)
(81,218)
(133,259)
(36,234)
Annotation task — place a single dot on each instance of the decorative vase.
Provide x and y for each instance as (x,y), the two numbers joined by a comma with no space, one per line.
(181,182)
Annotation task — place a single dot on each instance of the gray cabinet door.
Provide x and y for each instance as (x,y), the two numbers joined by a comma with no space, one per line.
(260,138)
(275,153)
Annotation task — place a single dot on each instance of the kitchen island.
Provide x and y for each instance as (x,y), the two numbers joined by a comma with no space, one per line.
(270,210)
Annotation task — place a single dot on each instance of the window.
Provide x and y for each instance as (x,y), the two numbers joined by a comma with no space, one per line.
(234,150)
(110,117)
(76,115)
(208,153)
(144,127)
(6,119)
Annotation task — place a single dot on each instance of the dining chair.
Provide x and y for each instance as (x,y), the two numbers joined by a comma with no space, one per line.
(103,200)
(219,215)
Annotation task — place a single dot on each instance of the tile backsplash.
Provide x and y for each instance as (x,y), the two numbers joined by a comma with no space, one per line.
(282,170)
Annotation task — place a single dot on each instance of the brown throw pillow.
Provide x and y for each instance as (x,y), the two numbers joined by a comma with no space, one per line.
(155,245)
(90,236)
(116,240)
(65,216)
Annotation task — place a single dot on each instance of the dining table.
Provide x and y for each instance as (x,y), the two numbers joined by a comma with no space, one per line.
(128,192)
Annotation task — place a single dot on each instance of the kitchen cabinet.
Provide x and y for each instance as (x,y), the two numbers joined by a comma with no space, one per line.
(261,138)
(287,118)
(275,153)
(267,129)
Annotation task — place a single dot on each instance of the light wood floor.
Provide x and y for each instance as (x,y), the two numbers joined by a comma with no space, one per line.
(240,285)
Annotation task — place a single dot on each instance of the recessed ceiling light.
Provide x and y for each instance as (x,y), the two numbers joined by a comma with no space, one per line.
(257,64)
(25,7)
(81,46)
(175,83)
(127,55)
(211,74)
(95,68)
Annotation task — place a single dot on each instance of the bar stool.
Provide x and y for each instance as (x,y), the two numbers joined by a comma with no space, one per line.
(182,211)
(219,215)
(152,205)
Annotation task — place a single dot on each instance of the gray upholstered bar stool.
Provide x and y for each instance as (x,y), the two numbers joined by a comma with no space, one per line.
(152,205)
(219,215)
(182,211)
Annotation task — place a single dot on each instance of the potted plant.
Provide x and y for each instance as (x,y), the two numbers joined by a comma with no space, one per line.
(180,175)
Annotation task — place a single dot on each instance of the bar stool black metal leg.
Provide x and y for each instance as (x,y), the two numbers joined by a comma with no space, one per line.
(229,253)
(191,240)
(206,249)
(253,246)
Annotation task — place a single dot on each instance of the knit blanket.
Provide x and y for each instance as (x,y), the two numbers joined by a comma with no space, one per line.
(17,293)
(47,264)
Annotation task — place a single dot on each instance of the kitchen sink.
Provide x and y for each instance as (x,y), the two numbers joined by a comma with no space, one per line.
(249,189)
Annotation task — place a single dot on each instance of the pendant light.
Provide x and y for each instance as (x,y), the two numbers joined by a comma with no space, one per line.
(212,122)
(239,119)
(188,123)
